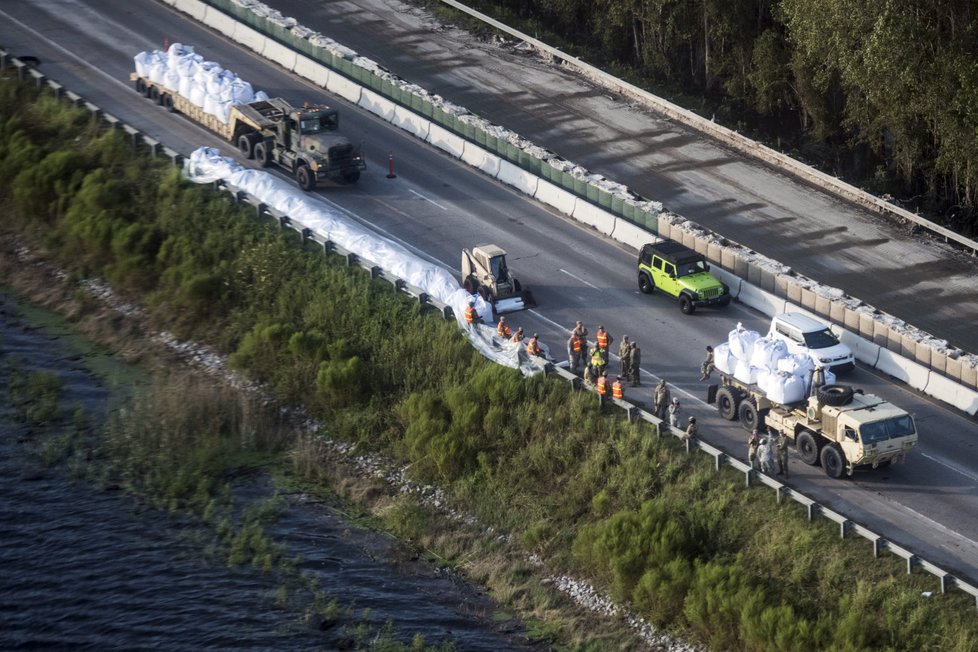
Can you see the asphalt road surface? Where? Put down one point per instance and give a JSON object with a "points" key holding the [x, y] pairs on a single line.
{"points": [[436, 206]]}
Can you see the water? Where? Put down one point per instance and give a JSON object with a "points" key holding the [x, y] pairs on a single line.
{"points": [[87, 567]]}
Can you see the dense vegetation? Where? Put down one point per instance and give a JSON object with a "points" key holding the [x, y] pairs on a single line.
{"points": [[593, 495], [883, 92]]}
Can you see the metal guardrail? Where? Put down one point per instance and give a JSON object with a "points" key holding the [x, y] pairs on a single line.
{"points": [[728, 136], [632, 411]]}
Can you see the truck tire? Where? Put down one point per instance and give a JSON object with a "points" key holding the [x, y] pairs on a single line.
{"points": [[835, 395], [645, 283], [750, 418], [141, 86], [166, 101], [808, 447], [833, 462], [470, 284], [305, 178], [351, 177], [517, 286], [686, 305], [261, 155], [728, 403], [246, 144], [153, 93]]}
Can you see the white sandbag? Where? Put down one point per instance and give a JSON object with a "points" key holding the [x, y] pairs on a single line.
{"points": [[741, 342], [185, 88], [722, 359], [238, 91], [176, 52], [145, 60], [763, 376], [171, 80], [745, 373], [798, 364], [197, 94], [785, 388], [156, 71], [260, 96], [766, 353], [212, 105]]}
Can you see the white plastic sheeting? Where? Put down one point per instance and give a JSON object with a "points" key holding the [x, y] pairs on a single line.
{"points": [[204, 83], [206, 165]]}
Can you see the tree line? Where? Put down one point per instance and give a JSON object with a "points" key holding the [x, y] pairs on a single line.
{"points": [[881, 92]]}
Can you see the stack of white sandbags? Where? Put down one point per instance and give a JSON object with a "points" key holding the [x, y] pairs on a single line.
{"points": [[765, 362], [204, 83]]}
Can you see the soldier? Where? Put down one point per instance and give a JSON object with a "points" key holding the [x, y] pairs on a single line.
{"points": [[634, 362], [624, 351], [707, 367], [752, 443], [604, 340], [781, 444], [663, 397], [598, 361], [690, 429], [575, 351], [589, 374], [502, 330], [579, 330]]}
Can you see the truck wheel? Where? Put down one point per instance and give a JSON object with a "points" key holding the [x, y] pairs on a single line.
{"points": [[246, 145], [808, 448], [305, 178], [517, 286], [351, 177], [470, 284], [832, 461], [485, 294], [153, 93], [686, 305], [140, 86], [835, 395], [749, 418], [262, 155], [728, 402], [645, 283]]}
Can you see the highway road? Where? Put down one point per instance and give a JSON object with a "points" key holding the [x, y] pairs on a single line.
{"points": [[437, 205], [927, 284]]}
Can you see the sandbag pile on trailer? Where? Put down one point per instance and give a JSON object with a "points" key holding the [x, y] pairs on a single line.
{"points": [[765, 362], [203, 83]]}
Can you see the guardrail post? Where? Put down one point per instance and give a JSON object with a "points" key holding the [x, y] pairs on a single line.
{"points": [[375, 272], [352, 260], [779, 494], [944, 582], [843, 528], [748, 476], [306, 233], [284, 221], [911, 562], [688, 445], [718, 462], [812, 511], [447, 312], [422, 298], [400, 284]]}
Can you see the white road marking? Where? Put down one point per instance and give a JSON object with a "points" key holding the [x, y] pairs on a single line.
{"points": [[950, 466], [415, 192], [578, 278]]}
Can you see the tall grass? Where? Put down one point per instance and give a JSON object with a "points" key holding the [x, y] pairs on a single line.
{"points": [[686, 547]]}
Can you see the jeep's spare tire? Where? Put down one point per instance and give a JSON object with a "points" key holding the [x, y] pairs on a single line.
{"points": [[835, 395]]}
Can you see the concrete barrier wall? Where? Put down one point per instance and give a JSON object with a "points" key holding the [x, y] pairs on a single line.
{"points": [[481, 159], [410, 122], [195, 8], [249, 38], [314, 71], [864, 350], [629, 234], [220, 21], [593, 216], [445, 140], [517, 177], [732, 281], [953, 393], [280, 54], [348, 90], [377, 104], [758, 299], [902, 369], [555, 196]]}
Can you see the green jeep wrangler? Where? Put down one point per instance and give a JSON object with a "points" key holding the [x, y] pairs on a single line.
{"points": [[681, 272]]}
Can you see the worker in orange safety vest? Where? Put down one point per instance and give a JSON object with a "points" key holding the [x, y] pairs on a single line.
{"points": [[533, 346], [502, 330], [617, 391], [517, 336], [471, 314], [604, 340], [603, 384]]}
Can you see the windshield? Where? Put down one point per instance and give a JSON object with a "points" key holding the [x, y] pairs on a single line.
{"points": [[887, 429], [497, 265], [316, 122], [692, 268], [820, 339]]}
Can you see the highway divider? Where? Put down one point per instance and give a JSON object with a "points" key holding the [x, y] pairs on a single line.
{"points": [[609, 208]]}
